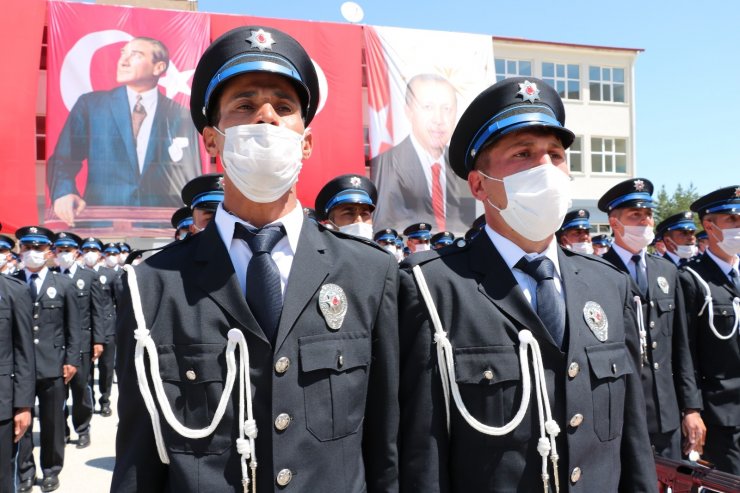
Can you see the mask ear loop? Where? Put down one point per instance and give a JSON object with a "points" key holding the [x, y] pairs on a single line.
{"points": [[493, 179]]}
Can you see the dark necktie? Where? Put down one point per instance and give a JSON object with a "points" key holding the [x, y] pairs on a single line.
{"points": [[550, 303], [34, 291], [682, 262], [264, 295], [67, 272], [640, 276], [735, 279], [137, 117]]}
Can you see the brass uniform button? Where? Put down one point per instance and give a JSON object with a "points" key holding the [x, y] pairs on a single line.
{"points": [[282, 421], [576, 420], [575, 475], [656, 366], [190, 375], [284, 477], [655, 344], [573, 369], [488, 375], [282, 364]]}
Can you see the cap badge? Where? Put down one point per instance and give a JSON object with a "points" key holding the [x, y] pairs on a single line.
{"points": [[639, 185], [33, 229], [663, 284], [422, 226], [62, 235], [687, 215], [596, 320], [581, 213], [261, 39], [355, 181], [80, 283], [220, 183], [333, 305], [528, 91], [737, 192], [91, 239], [51, 292]]}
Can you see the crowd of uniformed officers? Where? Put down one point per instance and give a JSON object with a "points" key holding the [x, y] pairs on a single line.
{"points": [[273, 347]]}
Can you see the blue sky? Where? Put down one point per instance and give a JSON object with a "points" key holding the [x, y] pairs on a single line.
{"points": [[687, 80]]}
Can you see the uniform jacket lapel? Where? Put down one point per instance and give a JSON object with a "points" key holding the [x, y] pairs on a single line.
{"points": [[309, 269], [613, 258], [498, 284], [720, 278], [576, 288], [213, 273]]}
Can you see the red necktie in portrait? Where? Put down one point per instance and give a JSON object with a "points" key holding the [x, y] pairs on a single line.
{"points": [[438, 203]]}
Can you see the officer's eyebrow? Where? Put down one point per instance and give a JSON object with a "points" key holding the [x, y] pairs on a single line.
{"points": [[276, 92]]}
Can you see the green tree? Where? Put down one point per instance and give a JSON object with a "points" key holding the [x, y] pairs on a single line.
{"points": [[667, 205]]}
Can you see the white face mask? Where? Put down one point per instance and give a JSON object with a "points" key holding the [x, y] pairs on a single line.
{"points": [[537, 201], [637, 237], [730, 243], [3, 260], [392, 249], [682, 251], [111, 261], [91, 258], [262, 160], [34, 259], [422, 247], [122, 258], [582, 247], [65, 259], [600, 251], [358, 229]]}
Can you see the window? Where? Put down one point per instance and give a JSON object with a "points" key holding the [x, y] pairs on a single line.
{"points": [[566, 79], [574, 156], [40, 138], [512, 68], [606, 84], [608, 155]]}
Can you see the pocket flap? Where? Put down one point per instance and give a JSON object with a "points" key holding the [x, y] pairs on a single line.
{"points": [[334, 352], [51, 303], [6, 368], [193, 363], [487, 365], [665, 305], [608, 360]]}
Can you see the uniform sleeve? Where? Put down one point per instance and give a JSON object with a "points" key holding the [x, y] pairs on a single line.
{"points": [[689, 396], [72, 328], [70, 151], [138, 468], [24, 357], [423, 437], [380, 435], [692, 300], [101, 312], [638, 465]]}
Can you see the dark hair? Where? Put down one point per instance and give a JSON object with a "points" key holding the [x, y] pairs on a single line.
{"points": [[160, 53]]}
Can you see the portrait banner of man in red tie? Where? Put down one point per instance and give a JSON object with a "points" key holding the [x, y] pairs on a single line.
{"points": [[419, 83], [120, 140]]}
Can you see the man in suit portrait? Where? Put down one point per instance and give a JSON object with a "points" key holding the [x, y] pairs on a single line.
{"points": [[414, 178], [140, 146]]}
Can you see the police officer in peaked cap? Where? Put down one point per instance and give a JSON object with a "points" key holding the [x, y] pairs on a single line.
{"points": [[678, 232], [388, 239], [670, 388], [181, 220], [711, 285], [348, 202], [6, 250], [203, 194], [462, 386], [702, 241], [601, 244], [418, 237], [442, 239], [574, 233], [313, 311]]}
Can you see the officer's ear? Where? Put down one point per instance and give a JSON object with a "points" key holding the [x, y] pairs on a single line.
{"points": [[211, 140], [307, 143]]}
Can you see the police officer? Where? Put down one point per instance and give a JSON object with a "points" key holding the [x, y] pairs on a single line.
{"points": [[348, 202], [574, 233], [387, 238], [712, 289], [315, 310], [418, 237], [203, 194], [6, 254], [671, 394], [17, 373], [678, 233], [442, 239], [702, 241], [96, 317], [92, 253], [471, 419], [181, 220], [56, 338], [601, 244], [125, 251]]}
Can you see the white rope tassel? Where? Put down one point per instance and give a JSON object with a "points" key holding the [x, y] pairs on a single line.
{"points": [[445, 361], [643, 333], [709, 306], [144, 341]]}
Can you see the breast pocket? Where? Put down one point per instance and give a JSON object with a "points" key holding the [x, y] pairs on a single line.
{"points": [[334, 372], [609, 366], [488, 379], [724, 318], [665, 310], [193, 382]]}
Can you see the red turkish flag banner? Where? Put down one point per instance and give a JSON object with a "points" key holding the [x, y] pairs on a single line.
{"points": [[336, 50], [102, 60]]}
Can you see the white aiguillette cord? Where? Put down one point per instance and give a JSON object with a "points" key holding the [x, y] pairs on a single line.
{"points": [[248, 428], [446, 363], [641, 329], [709, 306]]}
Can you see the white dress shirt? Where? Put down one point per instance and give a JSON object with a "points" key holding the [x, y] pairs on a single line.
{"points": [[149, 101], [72, 270], [626, 257], [40, 280], [240, 253], [724, 266], [512, 253], [426, 164]]}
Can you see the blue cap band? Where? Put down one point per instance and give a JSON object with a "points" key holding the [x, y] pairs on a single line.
{"points": [[35, 239], [112, 250], [580, 223], [352, 196], [386, 237], [185, 223], [421, 235], [210, 196], [723, 207], [66, 242], [641, 196], [4, 244], [492, 126], [683, 224], [445, 240], [253, 66], [92, 244], [603, 242]]}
